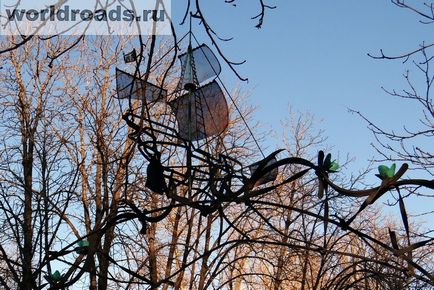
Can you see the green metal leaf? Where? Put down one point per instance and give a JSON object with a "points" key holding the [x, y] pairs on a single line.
{"points": [[321, 158], [56, 276], [334, 167], [328, 161], [382, 170], [82, 248], [392, 170], [329, 165], [321, 189], [386, 172], [83, 243]]}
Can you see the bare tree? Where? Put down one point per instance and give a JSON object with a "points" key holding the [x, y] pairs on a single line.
{"points": [[407, 145], [37, 181], [77, 207]]}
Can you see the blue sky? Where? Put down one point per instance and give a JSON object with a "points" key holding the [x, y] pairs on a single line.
{"points": [[312, 55]]}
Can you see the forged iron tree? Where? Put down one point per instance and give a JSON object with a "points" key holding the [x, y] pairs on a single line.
{"points": [[175, 249], [292, 250], [160, 191]]}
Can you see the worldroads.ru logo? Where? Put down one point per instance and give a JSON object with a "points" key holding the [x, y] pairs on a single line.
{"points": [[121, 17]]}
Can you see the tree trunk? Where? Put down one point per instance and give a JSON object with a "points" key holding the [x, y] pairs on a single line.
{"points": [[27, 280]]}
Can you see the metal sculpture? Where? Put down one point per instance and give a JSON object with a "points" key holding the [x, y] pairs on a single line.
{"points": [[199, 112], [196, 113]]}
